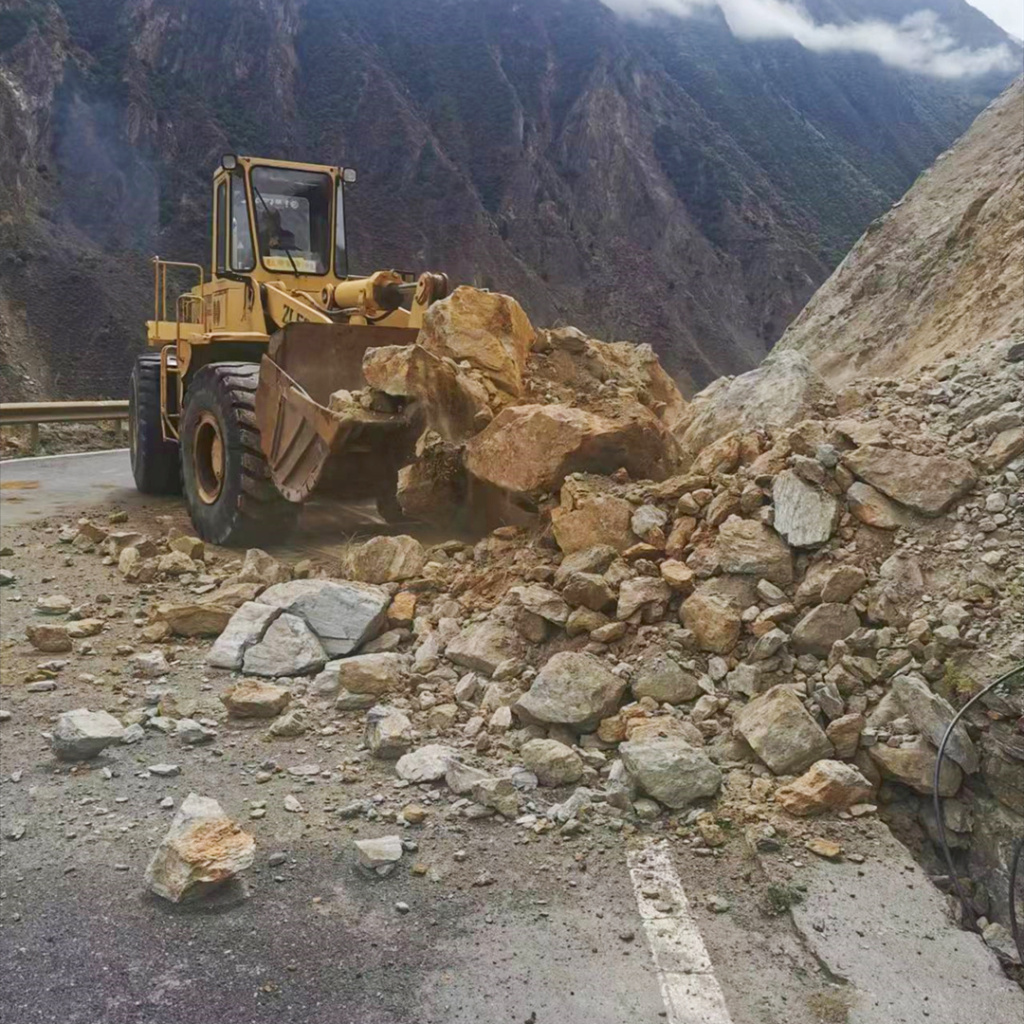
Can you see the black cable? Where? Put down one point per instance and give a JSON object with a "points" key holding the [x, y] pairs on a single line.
{"points": [[941, 825]]}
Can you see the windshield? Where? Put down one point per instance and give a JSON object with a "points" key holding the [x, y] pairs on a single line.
{"points": [[293, 219]]}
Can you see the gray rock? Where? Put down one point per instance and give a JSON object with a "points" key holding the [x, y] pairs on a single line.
{"points": [[553, 763], [571, 689], [191, 733], [203, 849], [590, 560], [427, 764], [462, 778], [354, 701], [540, 600], [82, 734], [379, 855], [149, 665], [343, 614], [822, 626], [670, 770], [662, 678], [292, 723], [781, 392], [288, 648], [499, 795], [388, 733], [245, 629], [931, 715], [805, 515], [782, 732], [589, 590]]}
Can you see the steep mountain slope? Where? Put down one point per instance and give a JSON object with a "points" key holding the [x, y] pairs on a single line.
{"points": [[659, 180], [942, 272]]}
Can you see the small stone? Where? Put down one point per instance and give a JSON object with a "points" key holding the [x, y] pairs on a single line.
{"points": [[164, 771], [82, 734], [292, 804], [824, 848], [379, 855]]}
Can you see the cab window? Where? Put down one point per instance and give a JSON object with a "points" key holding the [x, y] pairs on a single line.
{"points": [[222, 227], [242, 256], [293, 219]]}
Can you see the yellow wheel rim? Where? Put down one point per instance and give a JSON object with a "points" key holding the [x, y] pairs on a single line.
{"points": [[208, 458]]}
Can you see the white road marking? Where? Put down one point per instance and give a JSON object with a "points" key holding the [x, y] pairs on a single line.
{"points": [[689, 987], [66, 455]]}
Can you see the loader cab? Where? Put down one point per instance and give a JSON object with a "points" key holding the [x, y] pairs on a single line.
{"points": [[274, 220]]}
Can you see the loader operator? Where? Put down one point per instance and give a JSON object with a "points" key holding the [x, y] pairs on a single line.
{"points": [[273, 235]]}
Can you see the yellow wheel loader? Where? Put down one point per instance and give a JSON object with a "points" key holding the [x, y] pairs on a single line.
{"points": [[233, 403]]}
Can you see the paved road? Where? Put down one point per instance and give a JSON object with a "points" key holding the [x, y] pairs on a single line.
{"points": [[33, 490]]}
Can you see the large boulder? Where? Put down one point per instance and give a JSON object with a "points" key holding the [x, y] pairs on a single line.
{"points": [[931, 715], [532, 448], [386, 560], [827, 786], [781, 392], [670, 770], [913, 764], [782, 732], [805, 515], [343, 614], [427, 764], [748, 547], [245, 629], [487, 330], [82, 734], [288, 648], [203, 849], [926, 483], [572, 689], [593, 520], [388, 732]]}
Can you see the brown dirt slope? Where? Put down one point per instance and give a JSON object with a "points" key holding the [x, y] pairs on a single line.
{"points": [[941, 273]]}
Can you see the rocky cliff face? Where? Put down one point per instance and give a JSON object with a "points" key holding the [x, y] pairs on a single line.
{"points": [[939, 274], [657, 181]]}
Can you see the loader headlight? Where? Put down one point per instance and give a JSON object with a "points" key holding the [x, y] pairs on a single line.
{"points": [[348, 175], [229, 161]]}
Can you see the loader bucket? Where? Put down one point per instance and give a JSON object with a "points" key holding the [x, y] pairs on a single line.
{"points": [[355, 454]]}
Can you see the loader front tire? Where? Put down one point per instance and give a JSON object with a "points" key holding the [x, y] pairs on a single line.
{"points": [[155, 462], [228, 489]]}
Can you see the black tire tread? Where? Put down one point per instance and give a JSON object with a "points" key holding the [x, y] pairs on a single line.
{"points": [[155, 465], [261, 514]]}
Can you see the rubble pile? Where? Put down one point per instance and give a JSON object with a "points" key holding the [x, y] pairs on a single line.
{"points": [[762, 606]]}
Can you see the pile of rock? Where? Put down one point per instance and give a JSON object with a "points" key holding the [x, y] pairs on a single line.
{"points": [[772, 596]]}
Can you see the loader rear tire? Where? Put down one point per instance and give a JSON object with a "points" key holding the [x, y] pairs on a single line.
{"points": [[156, 465], [228, 489]]}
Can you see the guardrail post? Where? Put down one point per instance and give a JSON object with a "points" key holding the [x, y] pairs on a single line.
{"points": [[33, 436]]}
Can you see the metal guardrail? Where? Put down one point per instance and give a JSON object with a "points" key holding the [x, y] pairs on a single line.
{"points": [[31, 414]]}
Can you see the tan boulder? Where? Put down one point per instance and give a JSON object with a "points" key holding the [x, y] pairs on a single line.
{"points": [[927, 483], [714, 622], [50, 639], [386, 559], [591, 520], [827, 786], [914, 765], [252, 699], [488, 330], [874, 508], [748, 547], [193, 618], [532, 448]]}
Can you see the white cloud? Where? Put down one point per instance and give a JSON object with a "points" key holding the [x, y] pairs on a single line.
{"points": [[919, 42]]}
